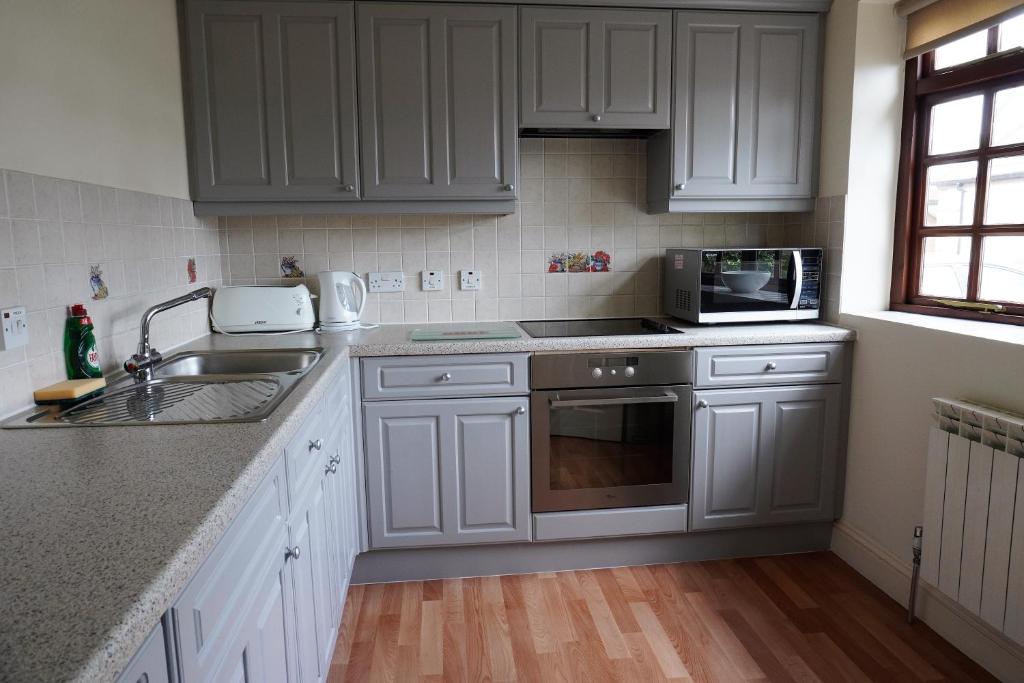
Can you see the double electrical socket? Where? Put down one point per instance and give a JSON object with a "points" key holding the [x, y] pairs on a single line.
{"points": [[390, 281]]}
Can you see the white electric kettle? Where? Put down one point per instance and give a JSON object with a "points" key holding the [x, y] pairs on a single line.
{"points": [[340, 304]]}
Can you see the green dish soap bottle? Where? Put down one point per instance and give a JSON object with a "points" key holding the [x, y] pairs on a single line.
{"points": [[81, 359]]}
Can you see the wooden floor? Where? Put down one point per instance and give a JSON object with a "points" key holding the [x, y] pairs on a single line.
{"points": [[793, 618]]}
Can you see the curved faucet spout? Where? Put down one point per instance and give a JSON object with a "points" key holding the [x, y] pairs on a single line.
{"points": [[141, 364]]}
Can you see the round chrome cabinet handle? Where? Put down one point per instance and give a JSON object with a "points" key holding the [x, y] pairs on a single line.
{"points": [[446, 377], [680, 187], [316, 445], [349, 188], [596, 373], [629, 371], [331, 469], [509, 187], [520, 410], [335, 459], [770, 366], [292, 553], [596, 118], [702, 403]]}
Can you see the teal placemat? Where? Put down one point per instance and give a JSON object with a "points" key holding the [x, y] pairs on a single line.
{"points": [[464, 333]]}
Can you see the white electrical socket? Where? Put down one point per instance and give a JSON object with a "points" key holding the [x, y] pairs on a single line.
{"points": [[433, 280], [391, 281], [469, 279], [14, 328]]}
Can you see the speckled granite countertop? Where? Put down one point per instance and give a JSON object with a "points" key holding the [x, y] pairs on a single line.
{"points": [[104, 526]]}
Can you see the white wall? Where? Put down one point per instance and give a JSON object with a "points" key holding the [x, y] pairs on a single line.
{"points": [[90, 90]]}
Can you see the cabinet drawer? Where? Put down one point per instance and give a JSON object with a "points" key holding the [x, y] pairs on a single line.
{"points": [[306, 455], [768, 365], [208, 614], [445, 376]]}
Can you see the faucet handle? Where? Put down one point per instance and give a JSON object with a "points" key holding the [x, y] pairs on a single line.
{"points": [[139, 363]]}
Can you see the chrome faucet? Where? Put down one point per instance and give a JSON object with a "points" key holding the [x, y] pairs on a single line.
{"points": [[140, 365]]}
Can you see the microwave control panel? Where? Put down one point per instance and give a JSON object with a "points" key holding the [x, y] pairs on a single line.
{"points": [[810, 292]]}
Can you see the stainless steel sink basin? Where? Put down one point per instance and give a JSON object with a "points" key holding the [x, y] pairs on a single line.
{"points": [[199, 363], [193, 387]]}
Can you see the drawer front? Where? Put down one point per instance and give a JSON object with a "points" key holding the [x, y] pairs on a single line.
{"points": [[206, 616], [306, 455], [769, 365], [445, 376]]}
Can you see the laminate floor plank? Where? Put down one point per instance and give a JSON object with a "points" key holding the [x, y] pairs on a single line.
{"points": [[793, 619]]}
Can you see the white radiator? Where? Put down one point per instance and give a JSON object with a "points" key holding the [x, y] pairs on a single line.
{"points": [[973, 548]]}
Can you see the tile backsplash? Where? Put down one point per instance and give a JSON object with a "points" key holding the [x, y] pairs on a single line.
{"points": [[116, 251], [577, 197]]}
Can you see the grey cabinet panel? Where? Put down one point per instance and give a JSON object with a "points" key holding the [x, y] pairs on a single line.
{"points": [[437, 101], [149, 665], [445, 376], [444, 472], [272, 89], [304, 584], [403, 470], [745, 117], [313, 80], [587, 68], [765, 456], [232, 156], [302, 456], [770, 365], [727, 456]]}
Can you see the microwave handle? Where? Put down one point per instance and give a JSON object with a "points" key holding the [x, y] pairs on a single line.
{"points": [[798, 278], [625, 400]]}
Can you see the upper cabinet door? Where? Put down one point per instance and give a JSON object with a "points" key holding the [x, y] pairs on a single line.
{"points": [[312, 89], [227, 48], [273, 100], [584, 68], [746, 103], [437, 101]]}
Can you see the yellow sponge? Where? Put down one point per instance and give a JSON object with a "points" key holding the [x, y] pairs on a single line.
{"points": [[69, 390]]}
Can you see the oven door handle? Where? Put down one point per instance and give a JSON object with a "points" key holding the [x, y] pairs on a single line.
{"points": [[621, 401]]}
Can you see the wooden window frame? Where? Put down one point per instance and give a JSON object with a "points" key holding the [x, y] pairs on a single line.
{"points": [[924, 87]]}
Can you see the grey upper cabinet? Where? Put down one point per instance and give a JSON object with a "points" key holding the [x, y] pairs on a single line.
{"points": [[744, 131], [437, 101], [594, 68], [764, 456], [272, 91], [447, 471]]}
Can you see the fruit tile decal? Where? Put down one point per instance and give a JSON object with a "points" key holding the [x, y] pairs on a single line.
{"points": [[290, 267], [190, 269], [580, 262], [96, 283]]}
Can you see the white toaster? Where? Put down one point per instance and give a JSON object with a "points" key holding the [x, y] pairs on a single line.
{"points": [[261, 309]]}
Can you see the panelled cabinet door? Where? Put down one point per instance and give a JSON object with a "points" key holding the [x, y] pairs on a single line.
{"points": [[447, 471], [745, 105], [764, 456], [273, 100], [587, 68], [149, 665], [304, 577], [437, 101]]}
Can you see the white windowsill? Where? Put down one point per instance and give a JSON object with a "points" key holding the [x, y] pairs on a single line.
{"points": [[998, 332]]}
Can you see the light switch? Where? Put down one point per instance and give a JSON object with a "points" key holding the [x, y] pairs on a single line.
{"points": [[433, 280], [469, 279], [14, 328], [391, 281]]}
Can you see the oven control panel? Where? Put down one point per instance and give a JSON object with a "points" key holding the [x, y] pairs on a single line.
{"points": [[613, 369]]}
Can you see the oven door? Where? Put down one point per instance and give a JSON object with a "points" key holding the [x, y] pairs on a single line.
{"points": [[610, 448]]}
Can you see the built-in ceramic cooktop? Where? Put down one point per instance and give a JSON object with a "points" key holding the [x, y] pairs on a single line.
{"points": [[601, 327]]}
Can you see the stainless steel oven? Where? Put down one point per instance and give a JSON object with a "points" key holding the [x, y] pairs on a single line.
{"points": [[610, 429]]}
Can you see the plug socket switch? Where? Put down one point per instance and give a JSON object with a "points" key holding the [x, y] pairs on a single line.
{"points": [[470, 279], [433, 280], [13, 328]]}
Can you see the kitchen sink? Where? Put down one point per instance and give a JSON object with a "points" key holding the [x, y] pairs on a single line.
{"points": [[192, 387]]}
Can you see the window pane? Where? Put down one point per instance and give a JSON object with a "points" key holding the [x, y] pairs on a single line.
{"points": [[1002, 269], [945, 262], [949, 193], [1011, 33], [1008, 116], [956, 125], [974, 46], [1005, 200]]}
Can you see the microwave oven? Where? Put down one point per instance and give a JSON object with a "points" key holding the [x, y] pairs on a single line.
{"points": [[742, 285]]}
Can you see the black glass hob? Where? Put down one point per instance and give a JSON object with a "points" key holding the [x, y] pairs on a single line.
{"points": [[601, 327]]}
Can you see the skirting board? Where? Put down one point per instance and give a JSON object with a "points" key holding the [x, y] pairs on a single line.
{"points": [[417, 564], [1002, 657]]}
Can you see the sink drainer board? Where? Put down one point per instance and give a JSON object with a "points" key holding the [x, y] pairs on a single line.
{"points": [[179, 400]]}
